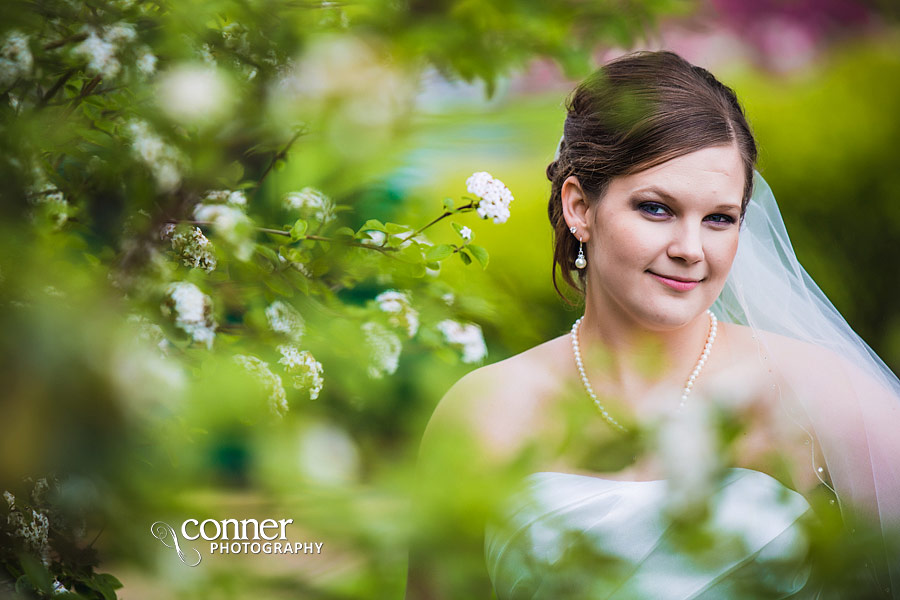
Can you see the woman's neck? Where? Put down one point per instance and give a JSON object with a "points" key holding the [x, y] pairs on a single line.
{"points": [[624, 357]]}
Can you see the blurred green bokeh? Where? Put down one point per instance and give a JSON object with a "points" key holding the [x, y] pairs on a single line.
{"points": [[386, 107]]}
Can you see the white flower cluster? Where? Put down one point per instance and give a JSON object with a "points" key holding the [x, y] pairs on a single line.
{"points": [[192, 311], [224, 210], [495, 196], [234, 198], [33, 531], [49, 202], [284, 318], [100, 51], [379, 238], [162, 158], [401, 313], [147, 331], [310, 203], [191, 93], [384, 349], [270, 381], [467, 337], [195, 250], [304, 369], [146, 62], [52, 206], [16, 59]]}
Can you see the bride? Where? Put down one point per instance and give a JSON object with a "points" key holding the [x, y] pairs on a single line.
{"points": [[699, 326]]}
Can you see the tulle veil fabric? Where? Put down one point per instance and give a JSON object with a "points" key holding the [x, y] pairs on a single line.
{"points": [[830, 380]]}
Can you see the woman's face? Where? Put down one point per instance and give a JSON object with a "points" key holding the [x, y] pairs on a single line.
{"points": [[662, 241]]}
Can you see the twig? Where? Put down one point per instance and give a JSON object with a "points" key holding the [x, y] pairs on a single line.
{"points": [[56, 87], [318, 238], [75, 38], [278, 156], [435, 220]]}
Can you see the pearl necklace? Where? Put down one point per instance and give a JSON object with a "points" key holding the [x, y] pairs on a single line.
{"points": [[710, 338]]}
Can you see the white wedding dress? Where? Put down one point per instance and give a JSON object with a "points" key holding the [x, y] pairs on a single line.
{"points": [[583, 537]]}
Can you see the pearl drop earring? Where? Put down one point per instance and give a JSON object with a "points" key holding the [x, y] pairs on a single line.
{"points": [[580, 260]]}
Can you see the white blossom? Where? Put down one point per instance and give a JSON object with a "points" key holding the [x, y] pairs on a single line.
{"points": [[33, 531], [192, 311], [284, 318], [146, 330], [270, 381], [465, 233], [467, 337], [232, 224], [191, 93], [52, 206], [120, 33], [495, 197], [328, 455], [195, 249], [234, 198], [101, 55], [16, 59], [402, 314], [448, 298], [59, 588], [376, 238], [146, 63], [689, 449], [384, 349], [310, 203], [304, 369], [162, 159], [166, 231], [10, 499]]}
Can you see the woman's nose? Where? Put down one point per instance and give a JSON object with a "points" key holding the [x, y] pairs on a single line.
{"points": [[686, 244]]}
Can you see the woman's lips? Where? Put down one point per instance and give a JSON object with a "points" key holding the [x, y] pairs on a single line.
{"points": [[675, 284]]}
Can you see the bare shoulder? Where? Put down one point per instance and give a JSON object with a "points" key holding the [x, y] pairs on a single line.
{"points": [[499, 404]]}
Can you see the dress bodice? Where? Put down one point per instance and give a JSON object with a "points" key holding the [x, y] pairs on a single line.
{"points": [[576, 536]]}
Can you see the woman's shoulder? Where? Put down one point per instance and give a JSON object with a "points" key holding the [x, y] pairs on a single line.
{"points": [[787, 353], [501, 402]]}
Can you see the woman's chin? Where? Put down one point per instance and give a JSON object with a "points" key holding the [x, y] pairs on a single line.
{"points": [[669, 318]]}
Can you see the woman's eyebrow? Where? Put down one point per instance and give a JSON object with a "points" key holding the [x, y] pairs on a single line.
{"points": [[669, 197]]}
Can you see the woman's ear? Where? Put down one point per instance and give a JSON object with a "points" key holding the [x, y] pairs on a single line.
{"points": [[575, 208]]}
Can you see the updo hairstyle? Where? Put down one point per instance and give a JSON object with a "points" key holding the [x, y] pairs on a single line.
{"points": [[636, 112]]}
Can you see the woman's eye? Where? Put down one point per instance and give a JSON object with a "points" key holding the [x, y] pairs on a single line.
{"points": [[655, 210], [724, 219]]}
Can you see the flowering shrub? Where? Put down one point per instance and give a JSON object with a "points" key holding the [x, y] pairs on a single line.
{"points": [[180, 235]]}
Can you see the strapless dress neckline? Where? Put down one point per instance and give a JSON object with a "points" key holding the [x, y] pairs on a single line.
{"points": [[567, 535]]}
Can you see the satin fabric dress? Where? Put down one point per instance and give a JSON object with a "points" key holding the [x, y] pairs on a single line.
{"points": [[576, 536]]}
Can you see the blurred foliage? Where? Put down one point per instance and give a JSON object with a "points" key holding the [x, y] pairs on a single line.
{"points": [[205, 200], [190, 329]]}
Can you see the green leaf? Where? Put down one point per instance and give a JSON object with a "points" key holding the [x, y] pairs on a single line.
{"points": [[439, 252], [344, 232], [37, 574], [372, 224], [395, 228], [279, 285], [480, 254], [448, 205], [464, 256], [298, 231], [107, 585], [456, 227], [270, 254]]}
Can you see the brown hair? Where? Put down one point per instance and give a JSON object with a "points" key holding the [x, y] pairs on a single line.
{"points": [[636, 112]]}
